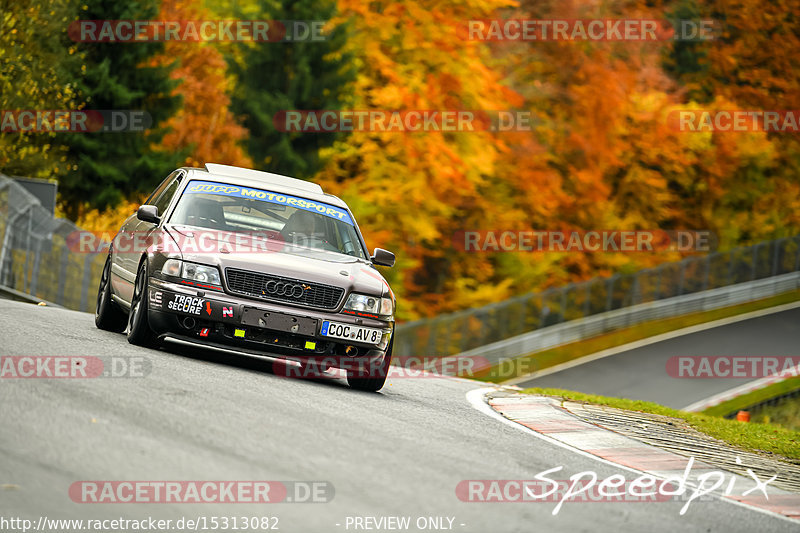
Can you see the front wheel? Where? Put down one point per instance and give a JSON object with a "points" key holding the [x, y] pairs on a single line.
{"points": [[107, 315], [375, 382], [139, 332]]}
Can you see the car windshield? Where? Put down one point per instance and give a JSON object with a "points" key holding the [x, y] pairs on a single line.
{"points": [[299, 222]]}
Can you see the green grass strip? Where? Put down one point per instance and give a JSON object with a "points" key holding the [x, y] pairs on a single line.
{"points": [[748, 436], [752, 398]]}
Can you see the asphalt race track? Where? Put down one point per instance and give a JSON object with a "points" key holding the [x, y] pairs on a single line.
{"points": [[640, 374], [206, 416]]}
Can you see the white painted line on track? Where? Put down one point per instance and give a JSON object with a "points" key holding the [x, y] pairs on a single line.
{"points": [[745, 388]]}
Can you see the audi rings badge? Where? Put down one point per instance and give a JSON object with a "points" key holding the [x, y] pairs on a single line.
{"points": [[284, 288]]}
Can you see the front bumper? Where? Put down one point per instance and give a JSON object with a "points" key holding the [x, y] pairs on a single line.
{"points": [[218, 319]]}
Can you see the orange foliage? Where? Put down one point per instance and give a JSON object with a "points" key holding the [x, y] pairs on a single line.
{"points": [[108, 220], [204, 123], [601, 155]]}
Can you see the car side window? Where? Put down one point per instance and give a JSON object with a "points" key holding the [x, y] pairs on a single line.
{"points": [[163, 200], [161, 186]]}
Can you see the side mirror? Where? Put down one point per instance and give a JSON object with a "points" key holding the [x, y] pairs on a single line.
{"points": [[382, 257], [148, 213]]}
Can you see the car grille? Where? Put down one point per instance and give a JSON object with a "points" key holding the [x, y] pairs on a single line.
{"points": [[293, 291]]}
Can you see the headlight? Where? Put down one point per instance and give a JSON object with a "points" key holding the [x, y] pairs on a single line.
{"points": [[369, 304], [172, 268], [192, 271], [201, 273]]}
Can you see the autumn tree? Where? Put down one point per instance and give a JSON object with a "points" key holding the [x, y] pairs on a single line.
{"points": [[38, 68], [205, 124], [108, 165], [413, 191], [272, 77]]}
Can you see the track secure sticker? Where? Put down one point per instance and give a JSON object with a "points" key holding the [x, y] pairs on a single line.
{"points": [[222, 189], [187, 304]]}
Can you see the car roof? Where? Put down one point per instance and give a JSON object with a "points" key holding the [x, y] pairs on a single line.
{"points": [[274, 182]]}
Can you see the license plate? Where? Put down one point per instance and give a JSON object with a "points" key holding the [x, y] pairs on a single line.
{"points": [[350, 332]]}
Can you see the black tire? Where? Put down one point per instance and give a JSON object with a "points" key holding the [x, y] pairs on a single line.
{"points": [[107, 315], [139, 332], [376, 382]]}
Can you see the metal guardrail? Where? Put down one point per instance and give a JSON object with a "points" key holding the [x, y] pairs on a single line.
{"points": [[588, 327], [464, 331], [35, 256]]}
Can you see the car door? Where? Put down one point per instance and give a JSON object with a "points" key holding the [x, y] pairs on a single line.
{"points": [[126, 248], [144, 229]]}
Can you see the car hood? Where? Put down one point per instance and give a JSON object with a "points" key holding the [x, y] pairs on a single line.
{"points": [[280, 259]]}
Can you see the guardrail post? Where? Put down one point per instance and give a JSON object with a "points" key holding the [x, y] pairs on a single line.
{"points": [[586, 298], [25, 284], [659, 273], [484, 329], [797, 254], [544, 310], [464, 334], [433, 326], [87, 278], [37, 256], [448, 336], [729, 279], [775, 256], [62, 276], [753, 262], [501, 319], [610, 291]]}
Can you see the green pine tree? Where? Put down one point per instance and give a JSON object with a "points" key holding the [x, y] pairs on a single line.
{"points": [[111, 165], [687, 60], [280, 76]]}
